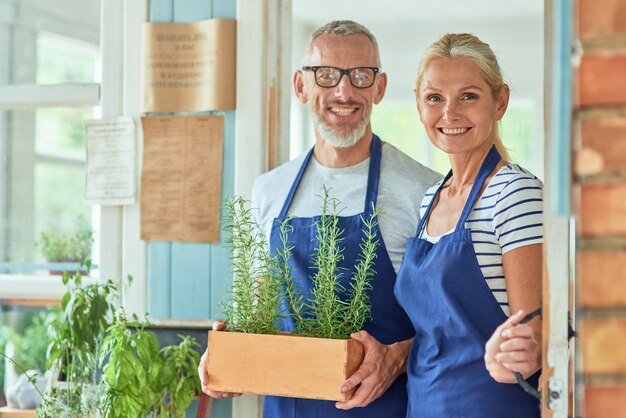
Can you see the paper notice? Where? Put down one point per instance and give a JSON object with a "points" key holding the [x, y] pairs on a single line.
{"points": [[181, 179], [111, 161], [189, 67]]}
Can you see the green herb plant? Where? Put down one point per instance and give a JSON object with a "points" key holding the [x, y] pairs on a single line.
{"points": [[56, 246], [255, 298], [76, 344], [144, 380], [113, 368], [261, 280]]}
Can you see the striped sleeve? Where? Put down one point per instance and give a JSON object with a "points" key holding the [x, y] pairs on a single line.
{"points": [[518, 213]]}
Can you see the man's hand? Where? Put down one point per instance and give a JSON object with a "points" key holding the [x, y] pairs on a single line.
{"points": [[381, 366], [512, 348], [202, 373]]}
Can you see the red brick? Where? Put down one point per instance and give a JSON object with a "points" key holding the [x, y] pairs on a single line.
{"points": [[604, 402], [601, 79], [602, 342], [603, 147], [597, 274], [603, 209], [597, 18]]}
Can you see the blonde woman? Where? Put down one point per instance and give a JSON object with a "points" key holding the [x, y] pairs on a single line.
{"points": [[477, 252]]}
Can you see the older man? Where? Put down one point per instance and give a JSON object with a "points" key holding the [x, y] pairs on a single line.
{"points": [[341, 80]]}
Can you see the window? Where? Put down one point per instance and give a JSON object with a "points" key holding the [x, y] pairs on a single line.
{"points": [[50, 81], [51, 67], [521, 134]]}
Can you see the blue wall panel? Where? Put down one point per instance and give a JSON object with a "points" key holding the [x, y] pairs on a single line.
{"points": [[190, 280], [192, 10], [221, 269], [159, 279], [225, 9], [161, 11], [187, 280]]}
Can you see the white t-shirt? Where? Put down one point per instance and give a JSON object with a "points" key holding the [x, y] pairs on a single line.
{"points": [[401, 187], [508, 215]]}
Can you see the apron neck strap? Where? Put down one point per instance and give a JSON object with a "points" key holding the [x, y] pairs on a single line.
{"points": [[371, 194], [372, 180], [490, 162], [422, 223]]}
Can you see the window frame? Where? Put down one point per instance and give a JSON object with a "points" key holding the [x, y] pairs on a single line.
{"points": [[122, 253]]}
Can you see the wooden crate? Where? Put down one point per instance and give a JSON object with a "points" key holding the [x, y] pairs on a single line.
{"points": [[282, 365]]}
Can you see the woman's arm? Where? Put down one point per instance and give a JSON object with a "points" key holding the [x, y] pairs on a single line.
{"points": [[513, 346]]}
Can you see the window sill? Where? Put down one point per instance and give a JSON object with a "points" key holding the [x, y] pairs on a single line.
{"points": [[34, 287]]}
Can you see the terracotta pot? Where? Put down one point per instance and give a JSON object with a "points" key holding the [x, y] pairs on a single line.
{"points": [[282, 365]]}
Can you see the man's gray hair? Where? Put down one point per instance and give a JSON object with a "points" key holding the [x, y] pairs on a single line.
{"points": [[344, 28]]}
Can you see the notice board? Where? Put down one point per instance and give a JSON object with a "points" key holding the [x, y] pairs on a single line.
{"points": [[181, 178]]}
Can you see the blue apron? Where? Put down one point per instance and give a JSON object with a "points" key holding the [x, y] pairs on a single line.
{"points": [[390, 323], [454, 313]]}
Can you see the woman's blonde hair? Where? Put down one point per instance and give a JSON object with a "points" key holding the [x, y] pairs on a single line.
{"points": [[466, 45]]}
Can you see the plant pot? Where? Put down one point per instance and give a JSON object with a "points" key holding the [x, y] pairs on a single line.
{"points": [[57, 268], [282, 365]]}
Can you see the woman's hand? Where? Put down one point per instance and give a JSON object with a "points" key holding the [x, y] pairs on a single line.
{"points": [[512, 348], [204, 376]]}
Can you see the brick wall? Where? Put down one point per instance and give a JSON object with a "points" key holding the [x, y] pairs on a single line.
{"points": [[599, 144]]}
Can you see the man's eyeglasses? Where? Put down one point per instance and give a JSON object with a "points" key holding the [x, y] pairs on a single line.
{"points": [[360, 77]]}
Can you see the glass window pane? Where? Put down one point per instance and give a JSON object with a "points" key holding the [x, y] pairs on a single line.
{"points": [[59, 132], [518, 129], [45, 219], [48, 42], [400, 126], [59, 212], [61, 59]]}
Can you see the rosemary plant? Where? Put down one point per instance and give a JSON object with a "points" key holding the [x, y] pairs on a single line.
{"points": [[255, 298], [330, 315], [261, 280], [359, 308]]}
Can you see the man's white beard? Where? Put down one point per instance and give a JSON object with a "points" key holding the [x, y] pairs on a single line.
{"points": [[336, 139]]}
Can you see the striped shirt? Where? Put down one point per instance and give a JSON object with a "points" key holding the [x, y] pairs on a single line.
{"points": [[507, 216]]}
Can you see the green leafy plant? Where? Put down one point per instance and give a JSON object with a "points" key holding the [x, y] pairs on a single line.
{"points": [[113, 368], [31, 347], [76, 344], [262, 280], [142, 379], [56, 246]]}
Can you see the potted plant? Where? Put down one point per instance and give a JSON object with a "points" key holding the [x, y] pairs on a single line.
{"points": [[59, 247], [143, 379], [109, 367], [319, 351], [76, 346]]}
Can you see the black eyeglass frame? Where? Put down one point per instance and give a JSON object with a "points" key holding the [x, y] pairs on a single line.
{"points": [[342, 72]]}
